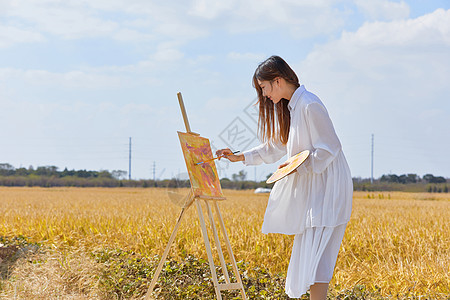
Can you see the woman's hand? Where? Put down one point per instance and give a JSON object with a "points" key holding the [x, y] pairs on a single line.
{"points": [[228, 154], [285, 164]]}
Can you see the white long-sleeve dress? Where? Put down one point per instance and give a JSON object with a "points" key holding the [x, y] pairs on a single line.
{"points": [[314, 203]]}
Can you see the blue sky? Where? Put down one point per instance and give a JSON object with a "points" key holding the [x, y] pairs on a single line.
{"points": [[78, 78]]}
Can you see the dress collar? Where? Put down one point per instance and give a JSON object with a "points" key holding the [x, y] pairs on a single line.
{"points": [[296, 97]]}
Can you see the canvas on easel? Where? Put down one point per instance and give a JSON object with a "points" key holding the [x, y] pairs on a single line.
{"points": [[205, 186], [204, 178]]}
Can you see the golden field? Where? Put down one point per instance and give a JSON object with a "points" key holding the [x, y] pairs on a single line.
{"points": [[395, 243]]}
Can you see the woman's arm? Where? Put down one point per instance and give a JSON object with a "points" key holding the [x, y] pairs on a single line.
{"points": [[227, 153], [264, 153], [268, 153], [326, 144]]}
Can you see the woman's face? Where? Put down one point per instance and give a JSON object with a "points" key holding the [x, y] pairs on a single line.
{"points": [[271, 89]]}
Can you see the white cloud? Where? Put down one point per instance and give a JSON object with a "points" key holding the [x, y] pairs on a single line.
{"points": [[4, 5], [387, 78], [167, 53], [210, 9], [246, 56], [139, 20], [10, 35], [297, 18], [168, 19], [426, 30], [128, 35], [387, 49], [71, 79], [145, 22], [181, 31], [68, 20], [383, 9]]}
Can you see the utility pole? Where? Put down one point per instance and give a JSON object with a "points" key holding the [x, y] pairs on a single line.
{"points": [[154, 171], [129, 161], [371, 169]]}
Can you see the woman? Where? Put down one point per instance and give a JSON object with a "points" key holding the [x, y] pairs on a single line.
{"points": [[314, 202]]}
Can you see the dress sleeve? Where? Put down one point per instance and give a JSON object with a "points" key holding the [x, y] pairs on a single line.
{"points": [[265, 153], [326, 144]]}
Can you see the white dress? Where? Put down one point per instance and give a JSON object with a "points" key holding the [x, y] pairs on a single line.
{"points": [[314, 203]]}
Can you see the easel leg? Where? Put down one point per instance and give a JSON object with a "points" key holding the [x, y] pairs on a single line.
{"points": [[208, 250], [166, 251], [216, 239], [230, 251]]}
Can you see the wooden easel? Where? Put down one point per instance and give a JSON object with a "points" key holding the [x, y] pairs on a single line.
{"points": [[228, 285]]}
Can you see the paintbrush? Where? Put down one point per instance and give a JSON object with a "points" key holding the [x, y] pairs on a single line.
{"points": [[202, 162]]}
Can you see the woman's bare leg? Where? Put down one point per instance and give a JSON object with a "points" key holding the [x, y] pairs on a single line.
{"points": [[319, 291]]}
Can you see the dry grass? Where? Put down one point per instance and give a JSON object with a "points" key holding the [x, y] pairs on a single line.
{"points": [[396, 243], [400, 245], [54, 275]]}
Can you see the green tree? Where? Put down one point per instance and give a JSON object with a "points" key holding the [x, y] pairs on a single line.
{"points": [[6, 169], [119, 174], [428, 178], [240, 176]]}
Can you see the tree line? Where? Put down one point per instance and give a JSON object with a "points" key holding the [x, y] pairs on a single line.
{"points": [[405, 182], [52, 171], [412, 178], [51, 176]]}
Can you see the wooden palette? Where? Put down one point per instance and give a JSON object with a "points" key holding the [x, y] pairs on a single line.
{"points": [[294, 162]]}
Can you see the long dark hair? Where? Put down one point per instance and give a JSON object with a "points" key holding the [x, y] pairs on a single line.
{"points": [[270, 69]]}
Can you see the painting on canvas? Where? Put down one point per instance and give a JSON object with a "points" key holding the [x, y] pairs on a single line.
{"points": [[204, 178]]}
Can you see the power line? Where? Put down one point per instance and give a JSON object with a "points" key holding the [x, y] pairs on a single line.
{"points": [[129, 162], [371, 171]]}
